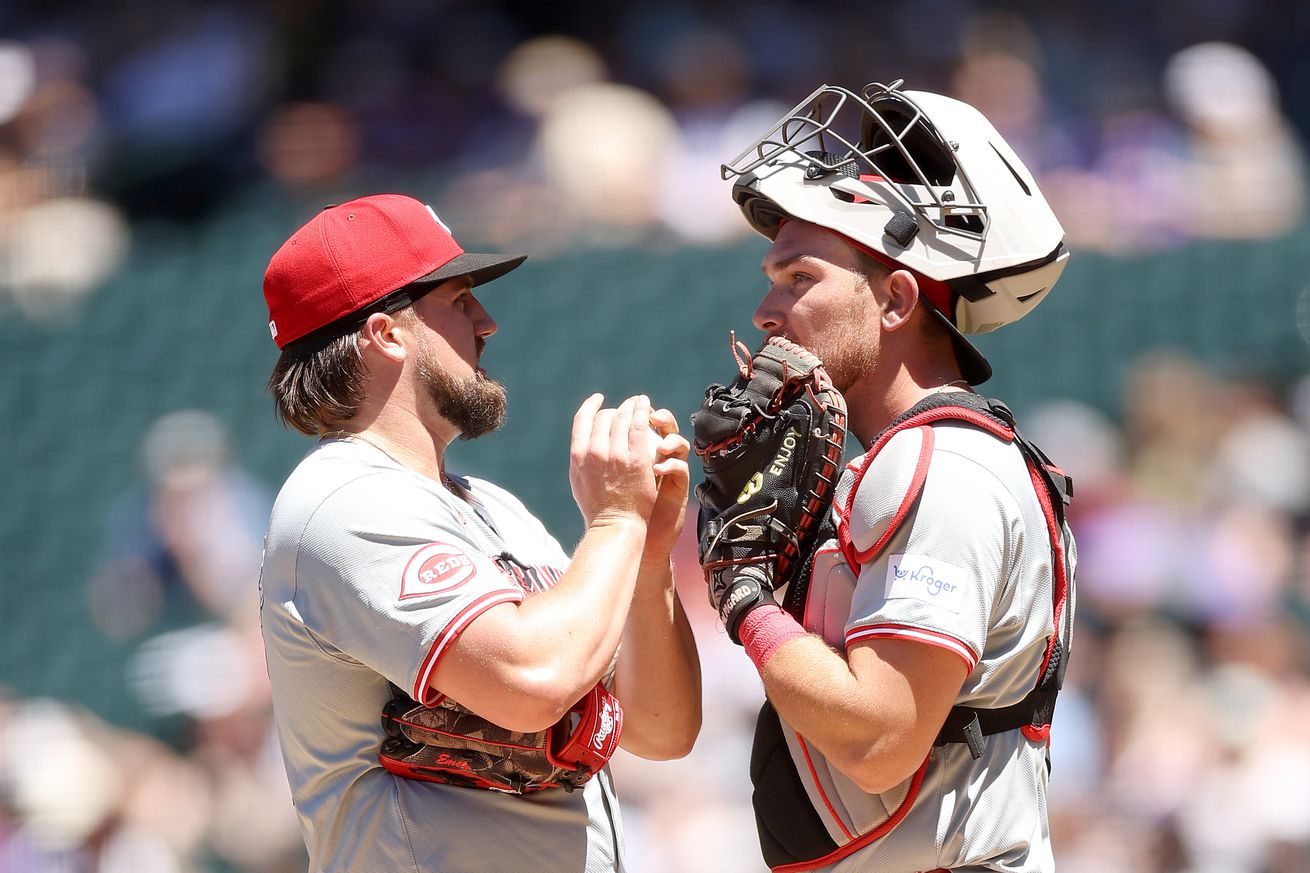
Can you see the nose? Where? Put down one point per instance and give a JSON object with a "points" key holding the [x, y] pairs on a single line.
{"points": [[768, 315], [483, 324]]}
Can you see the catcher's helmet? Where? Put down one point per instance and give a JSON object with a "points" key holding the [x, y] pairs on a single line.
{"points": [[918, 178]]}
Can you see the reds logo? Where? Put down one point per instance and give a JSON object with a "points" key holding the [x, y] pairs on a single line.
{"points": [[434, 569]]}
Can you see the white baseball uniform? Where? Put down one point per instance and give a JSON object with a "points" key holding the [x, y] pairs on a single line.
{"points": [[370, 572], [968, 566]]}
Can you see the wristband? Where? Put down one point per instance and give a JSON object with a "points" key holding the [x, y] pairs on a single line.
{"points": [[764, 629]]}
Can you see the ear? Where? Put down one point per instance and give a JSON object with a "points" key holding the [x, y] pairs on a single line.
{"points": [[902, 295], [382, 334]]}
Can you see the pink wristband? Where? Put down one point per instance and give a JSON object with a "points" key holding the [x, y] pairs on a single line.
{"points": [[764, 629]]}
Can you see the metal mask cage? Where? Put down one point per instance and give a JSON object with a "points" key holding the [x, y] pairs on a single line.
{"points": [[883, 134]]}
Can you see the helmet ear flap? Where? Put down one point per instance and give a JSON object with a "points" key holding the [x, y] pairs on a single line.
{"points": [[1010, 297]]}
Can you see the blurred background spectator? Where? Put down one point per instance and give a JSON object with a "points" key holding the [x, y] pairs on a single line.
{"points": [[152, 158]]}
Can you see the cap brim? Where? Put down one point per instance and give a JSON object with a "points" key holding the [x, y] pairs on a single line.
{"points": [[480, 268], [973, 366]]}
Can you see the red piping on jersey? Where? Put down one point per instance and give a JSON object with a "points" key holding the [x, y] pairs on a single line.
{"points": [[923, 419], [1057, 549], [854, 556], [805, 615], [916, 634], [805, 750], [846, 545], [423, 693], [1006, 433], [876, 834]]}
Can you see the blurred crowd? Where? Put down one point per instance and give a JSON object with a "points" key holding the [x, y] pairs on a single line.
{"points": [[602, 125], [1181, 743], [1182, 740]]}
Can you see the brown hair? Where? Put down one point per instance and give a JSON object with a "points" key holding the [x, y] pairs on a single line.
{"points": [[932, 330], [316, 385], [868, 266]]}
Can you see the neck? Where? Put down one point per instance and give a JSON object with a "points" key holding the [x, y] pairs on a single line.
{"points": [[876, 403], [405, 439]]}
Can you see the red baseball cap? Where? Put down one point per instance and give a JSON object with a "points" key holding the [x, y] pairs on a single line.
{"points": [[352, 255]]}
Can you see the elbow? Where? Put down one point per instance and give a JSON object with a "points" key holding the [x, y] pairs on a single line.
{"points": [[665, 733], [666, 753], [524, 715], [532, 703], [674, 750], [877, 771], [531, 721], [658, 749], [663, 745], [681, 745]]}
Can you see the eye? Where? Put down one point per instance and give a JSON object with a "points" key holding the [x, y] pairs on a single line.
{"points": [[802, 277]]}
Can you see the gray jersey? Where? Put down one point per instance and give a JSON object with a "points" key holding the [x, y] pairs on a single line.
{"points": [[370, 572], [968, 569]]}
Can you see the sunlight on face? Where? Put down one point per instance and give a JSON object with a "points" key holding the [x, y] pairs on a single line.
{"points": [[475, 403], [819, 296]]}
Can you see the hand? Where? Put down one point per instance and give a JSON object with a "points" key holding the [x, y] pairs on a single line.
{"points": [[672, 476], [737, 590], [610, 460]]}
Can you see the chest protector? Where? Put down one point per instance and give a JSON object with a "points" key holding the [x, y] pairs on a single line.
{"points": [[814, 820]]}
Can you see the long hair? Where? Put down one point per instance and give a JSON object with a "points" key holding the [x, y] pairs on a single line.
{"points": [[316, 385]]}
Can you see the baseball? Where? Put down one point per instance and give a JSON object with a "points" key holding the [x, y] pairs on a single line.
{"points": [[654, 437]]}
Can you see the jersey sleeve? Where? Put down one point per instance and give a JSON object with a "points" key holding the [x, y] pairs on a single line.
{"points": [[386, 575], [940, 572]]}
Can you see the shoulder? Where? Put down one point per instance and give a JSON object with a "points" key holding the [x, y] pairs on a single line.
{"points": [[951, 467], [340, 488]]}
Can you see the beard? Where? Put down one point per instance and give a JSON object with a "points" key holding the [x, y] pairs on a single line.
{"points": [[848, 351], [848, 363], [475, 404]]}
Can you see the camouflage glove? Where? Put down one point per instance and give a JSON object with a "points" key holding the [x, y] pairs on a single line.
{"points": [[444, 742]]}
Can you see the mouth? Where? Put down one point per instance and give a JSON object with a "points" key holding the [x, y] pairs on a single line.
{"points": [[789, 337]]}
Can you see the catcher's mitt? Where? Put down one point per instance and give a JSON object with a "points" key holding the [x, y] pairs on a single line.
{"points": [[771, 445]]}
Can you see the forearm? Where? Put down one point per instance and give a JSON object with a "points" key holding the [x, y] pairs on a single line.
{"points": [[523, 665], [658, 674], [572, 630], [862, 727]]}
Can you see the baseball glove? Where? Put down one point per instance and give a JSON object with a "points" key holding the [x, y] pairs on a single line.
{"points": [[445, 742], [771, 446]]}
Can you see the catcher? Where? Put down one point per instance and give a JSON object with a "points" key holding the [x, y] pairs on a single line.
{"points": [[910, 614], [448, 683]]}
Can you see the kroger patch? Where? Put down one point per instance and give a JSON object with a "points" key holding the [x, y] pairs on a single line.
{"points": [[917, 577]]}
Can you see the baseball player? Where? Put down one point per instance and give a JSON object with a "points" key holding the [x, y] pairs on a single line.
{"points": [[448, 682], [911, 663]]}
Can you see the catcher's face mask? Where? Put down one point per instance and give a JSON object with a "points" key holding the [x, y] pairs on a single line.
{"points": [[921, 178]]}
